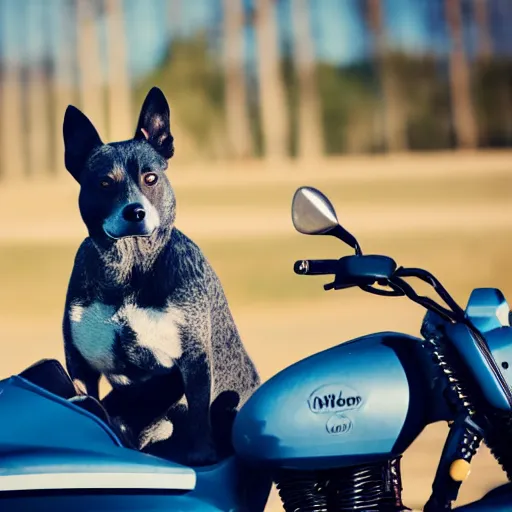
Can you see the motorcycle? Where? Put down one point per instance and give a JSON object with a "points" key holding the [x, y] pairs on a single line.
{"points": [[329, 431]]}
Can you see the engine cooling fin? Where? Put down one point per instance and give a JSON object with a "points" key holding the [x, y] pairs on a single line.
{"points": [[371, 487]]}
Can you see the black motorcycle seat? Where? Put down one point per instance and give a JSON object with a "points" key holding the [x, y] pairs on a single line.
{"points": [[50, 375]]}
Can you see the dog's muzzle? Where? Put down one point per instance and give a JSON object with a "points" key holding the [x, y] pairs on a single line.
{"points": [[134, 219]]}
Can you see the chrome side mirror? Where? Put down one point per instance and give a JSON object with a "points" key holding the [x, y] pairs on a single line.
{"points": [[314, 214]]}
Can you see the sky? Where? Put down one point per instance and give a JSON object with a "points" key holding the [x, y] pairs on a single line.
{"points": [[27, 27]]}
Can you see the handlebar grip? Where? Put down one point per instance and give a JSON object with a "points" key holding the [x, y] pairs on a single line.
{"points": [[315, 267]]}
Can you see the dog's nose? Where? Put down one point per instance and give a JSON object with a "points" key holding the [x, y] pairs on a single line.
{"points": [[134, 212]]}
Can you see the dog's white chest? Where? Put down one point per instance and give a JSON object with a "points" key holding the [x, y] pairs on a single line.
{"points": [[97, 332]]}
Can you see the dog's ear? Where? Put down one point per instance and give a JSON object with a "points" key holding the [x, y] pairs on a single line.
{"points": [[154, 123], [80, 138]]}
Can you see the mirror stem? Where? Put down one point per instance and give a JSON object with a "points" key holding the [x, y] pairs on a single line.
{"points": [[343, 235]]}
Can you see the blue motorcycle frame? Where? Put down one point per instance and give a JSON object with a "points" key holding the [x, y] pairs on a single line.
{"points": [[328, 430]]}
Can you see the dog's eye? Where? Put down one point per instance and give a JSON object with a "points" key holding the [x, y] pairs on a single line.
{"points": [[106, 183], [150, 178]]}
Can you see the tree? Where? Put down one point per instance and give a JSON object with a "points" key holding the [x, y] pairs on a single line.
{"points": [[464, 117], [482, 69], [38, 115], [90, 75], [484, 35], [175, 11], [118, 81], [274, 122], [395, 122], [12, 135], [310, 144], [63, 76], [238, 129], [505, 12]]}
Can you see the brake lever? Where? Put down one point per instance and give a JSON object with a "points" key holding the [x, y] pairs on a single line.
{"points": [[334, 286], [394, 292]]}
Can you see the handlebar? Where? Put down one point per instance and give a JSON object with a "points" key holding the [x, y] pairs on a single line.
{"points": [[316, 267], [350, 271], [364, 271]]}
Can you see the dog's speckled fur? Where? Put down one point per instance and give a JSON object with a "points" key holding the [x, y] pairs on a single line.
{"points": [[149, 312]]}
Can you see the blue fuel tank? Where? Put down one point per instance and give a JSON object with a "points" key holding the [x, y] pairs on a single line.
{"points": [[362, 401]]}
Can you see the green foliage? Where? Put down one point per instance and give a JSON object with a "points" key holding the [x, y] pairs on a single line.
{"points": [[191, 76], [255, 117], [351, 100], [423, 86], [292, 98], [492, 91]]}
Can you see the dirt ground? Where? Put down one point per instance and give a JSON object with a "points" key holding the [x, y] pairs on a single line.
{"points": [[280, 332]]}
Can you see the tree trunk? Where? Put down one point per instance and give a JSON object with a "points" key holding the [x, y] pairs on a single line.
{"points": [[118, 81], [310, 144], [484, 35], [186, 146], [395, 121], [274, 119], [38, 147], [462, 105], [175, 10], [91, 80], [484, 52], [63, 78], [38, 116], [12, 132], [505, 11], [239, 134]]}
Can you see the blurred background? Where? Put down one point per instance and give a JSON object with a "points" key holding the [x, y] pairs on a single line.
{"points": [[400, 111]]}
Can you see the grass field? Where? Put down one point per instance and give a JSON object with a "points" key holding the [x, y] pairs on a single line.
{"points": [[456, 224]]}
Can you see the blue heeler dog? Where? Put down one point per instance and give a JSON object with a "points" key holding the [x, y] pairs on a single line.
{"points": [[144, 308]]}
